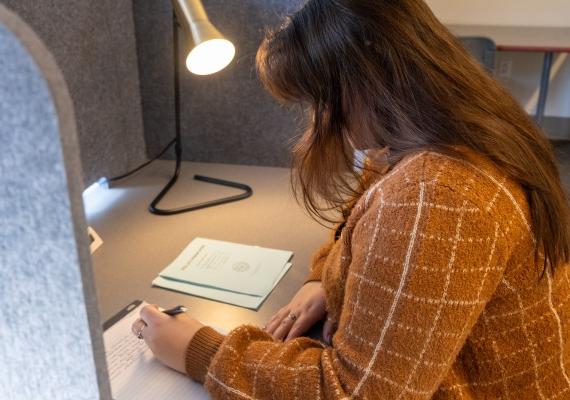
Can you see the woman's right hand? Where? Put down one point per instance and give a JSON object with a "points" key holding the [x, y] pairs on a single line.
{"points": [[305, 309]]}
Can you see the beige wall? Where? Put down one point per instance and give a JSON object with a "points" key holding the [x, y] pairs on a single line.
{"points": [[503, 12], [526, 68]]}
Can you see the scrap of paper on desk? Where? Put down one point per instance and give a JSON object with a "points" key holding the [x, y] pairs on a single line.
{"points": [[228, 272]]}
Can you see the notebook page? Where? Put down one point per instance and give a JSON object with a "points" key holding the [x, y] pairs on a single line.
{"points": [[136, 374]]}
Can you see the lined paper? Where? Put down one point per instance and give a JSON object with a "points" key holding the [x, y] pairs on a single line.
{"points": [[136, 374]]}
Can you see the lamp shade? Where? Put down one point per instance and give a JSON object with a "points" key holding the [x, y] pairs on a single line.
{"points": [[212, 52]]}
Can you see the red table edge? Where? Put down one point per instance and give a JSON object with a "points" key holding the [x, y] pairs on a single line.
{"points": [[537, 49]]}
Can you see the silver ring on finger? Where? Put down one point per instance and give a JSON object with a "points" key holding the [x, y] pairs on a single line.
{"points": [[292, 317], [140, 334]]}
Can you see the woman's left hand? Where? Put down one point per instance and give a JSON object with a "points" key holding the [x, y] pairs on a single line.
{"points": [[167, 336]]}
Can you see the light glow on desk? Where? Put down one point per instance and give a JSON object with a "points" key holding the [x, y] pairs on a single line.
{"points": [[98, 197]]}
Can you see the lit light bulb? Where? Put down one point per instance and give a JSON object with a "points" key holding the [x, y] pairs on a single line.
{"points": [[210, 56]]}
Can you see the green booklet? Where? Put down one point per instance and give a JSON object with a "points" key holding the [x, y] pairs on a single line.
{"points": [[228, 266], [224, 296]]}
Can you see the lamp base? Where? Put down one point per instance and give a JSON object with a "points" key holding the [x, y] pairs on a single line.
{"points": [[154, 209]]}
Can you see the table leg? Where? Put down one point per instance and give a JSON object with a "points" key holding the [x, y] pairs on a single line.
{"points": [[544, 84]]}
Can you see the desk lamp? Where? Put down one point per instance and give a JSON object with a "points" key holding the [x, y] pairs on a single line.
{"points": [[210, 53]]}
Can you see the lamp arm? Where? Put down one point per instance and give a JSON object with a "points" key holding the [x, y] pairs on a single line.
{"points": [[190, 10]]}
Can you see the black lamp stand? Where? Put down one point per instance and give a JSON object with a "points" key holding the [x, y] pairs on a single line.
{"points": [[153, 208]]}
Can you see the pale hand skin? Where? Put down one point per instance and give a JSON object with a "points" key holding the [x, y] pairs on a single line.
{"points": [[309, 307], [167, 336]]}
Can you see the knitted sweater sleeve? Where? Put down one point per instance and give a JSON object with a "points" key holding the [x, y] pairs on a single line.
{"points": [[425, 258]]}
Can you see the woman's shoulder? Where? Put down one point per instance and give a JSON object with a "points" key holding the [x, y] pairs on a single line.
{"points": [[468, 173], [464, 181]]}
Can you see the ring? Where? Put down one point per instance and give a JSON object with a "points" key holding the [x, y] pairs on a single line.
{"points": [[139, 334], [292, 317]]}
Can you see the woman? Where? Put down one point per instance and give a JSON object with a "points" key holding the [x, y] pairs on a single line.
{"points": [[446, 279]]}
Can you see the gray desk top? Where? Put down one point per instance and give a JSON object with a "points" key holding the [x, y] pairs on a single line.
{"points": [[520, 38], [138, 245]]}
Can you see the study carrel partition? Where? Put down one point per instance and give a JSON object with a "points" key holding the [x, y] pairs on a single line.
{"points": [[50, 332]]}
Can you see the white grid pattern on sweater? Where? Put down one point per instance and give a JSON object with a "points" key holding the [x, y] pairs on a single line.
{"points": [[559, 393], [523, 309], [373, 189], [443, 207], [438, 173], [368, 253], [409, 328], [547, 339], [496, 196], [435, 237], [502, 186], [296, 381], [496, 357], [441, 305], [255, 374], [276, 365], [327, 362], [300, 368], [410, 390], [559, 326], [260, 366], [382, 378], [527, 324], [396, 354], [502, 368], [527, 336], [230, 389], [500, 381], [236, 370], [403, 279], [465, 328], [419, 299], [551, 374], [393, 262]]}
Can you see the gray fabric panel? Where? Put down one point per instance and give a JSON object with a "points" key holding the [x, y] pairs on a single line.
{"points": [[46, 351], [94, 43], [227, 117]]}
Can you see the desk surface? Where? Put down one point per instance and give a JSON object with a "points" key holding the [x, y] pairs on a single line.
{"points": [[520, 38], [138, 245]]}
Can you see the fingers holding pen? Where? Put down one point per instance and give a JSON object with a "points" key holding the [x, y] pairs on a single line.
{"points": [[151, 314]]}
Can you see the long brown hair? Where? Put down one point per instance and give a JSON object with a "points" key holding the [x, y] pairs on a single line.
{"points": [[387, 73]]}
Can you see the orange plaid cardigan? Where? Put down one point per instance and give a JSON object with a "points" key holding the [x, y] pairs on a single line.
{"points": [[436, 293]]}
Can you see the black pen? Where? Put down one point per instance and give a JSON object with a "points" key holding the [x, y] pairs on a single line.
{"points": [[176, 310]]}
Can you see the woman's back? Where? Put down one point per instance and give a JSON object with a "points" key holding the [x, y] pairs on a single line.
{"points": [[456, 277]]}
